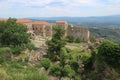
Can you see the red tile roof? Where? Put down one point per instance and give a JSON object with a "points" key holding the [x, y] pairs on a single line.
{"points": [[18, 20], [29, 21], [3, 19], [61, 21], [24, 20], [41, 22]]}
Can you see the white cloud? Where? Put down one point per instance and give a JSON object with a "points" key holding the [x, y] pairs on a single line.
{"points": [[68, 7]]}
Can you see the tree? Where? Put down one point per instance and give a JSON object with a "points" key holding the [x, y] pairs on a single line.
{"points": [[109, 52], [56, 44], [13, 34]]}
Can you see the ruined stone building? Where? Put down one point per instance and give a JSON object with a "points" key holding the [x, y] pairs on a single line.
{"points": [[37, 28], [44, 29], [82, 33]]}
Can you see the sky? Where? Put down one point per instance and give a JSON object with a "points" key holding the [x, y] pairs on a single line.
{"points": [[56, 8]]}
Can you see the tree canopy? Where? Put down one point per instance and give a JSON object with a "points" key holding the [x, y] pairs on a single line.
{"points": [[109, 53], [13, 33]]}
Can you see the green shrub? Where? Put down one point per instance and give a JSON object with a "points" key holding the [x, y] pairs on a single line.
{"points": [[16, 50], [68, 50], [5, 54], [78, 40], [74, 65], [30, 46], [45, 63], [70, 38], [16, 65], [55, 70], [67, 71], [109, 52], [92, 38], [88, 63]]}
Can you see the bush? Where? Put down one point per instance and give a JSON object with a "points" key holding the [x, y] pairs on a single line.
{"points": [[74, 65], [67, 71], [109, 52], [92, 38], [30, 46], [45, 63], [78, 40], [16, 50], [70, 38], [88, 63], [5, 54], [55, 70], [16, 65]]}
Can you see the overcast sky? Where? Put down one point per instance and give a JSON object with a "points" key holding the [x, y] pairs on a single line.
{"points": [[50, 8]]}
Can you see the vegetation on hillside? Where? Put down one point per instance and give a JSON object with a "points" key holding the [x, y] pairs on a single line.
{"points": [[13, 35], [13, 40], [64, 61]]}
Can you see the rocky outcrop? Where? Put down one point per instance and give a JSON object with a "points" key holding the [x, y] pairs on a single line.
{"points": [[36, 55]]}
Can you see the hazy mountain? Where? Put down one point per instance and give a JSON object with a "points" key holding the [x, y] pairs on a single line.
{"points": [[115, 19]]}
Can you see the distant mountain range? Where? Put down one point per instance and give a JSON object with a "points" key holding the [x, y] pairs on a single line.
{"points": [[114, 19]]}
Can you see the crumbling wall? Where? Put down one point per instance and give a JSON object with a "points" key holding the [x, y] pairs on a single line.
{"points": [[83, 33]]}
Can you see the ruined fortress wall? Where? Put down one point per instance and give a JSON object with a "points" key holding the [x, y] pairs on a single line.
{"points": [[83, 33]]}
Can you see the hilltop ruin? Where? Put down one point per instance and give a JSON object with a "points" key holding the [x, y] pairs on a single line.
{"points": [[42, 30]]}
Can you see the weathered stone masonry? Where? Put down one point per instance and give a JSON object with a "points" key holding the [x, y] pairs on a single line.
{"points": [[83, 33], [44, 29]]}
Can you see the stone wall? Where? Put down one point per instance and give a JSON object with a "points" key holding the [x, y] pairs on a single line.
{"points": [[42, 28], [83, 33]]}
